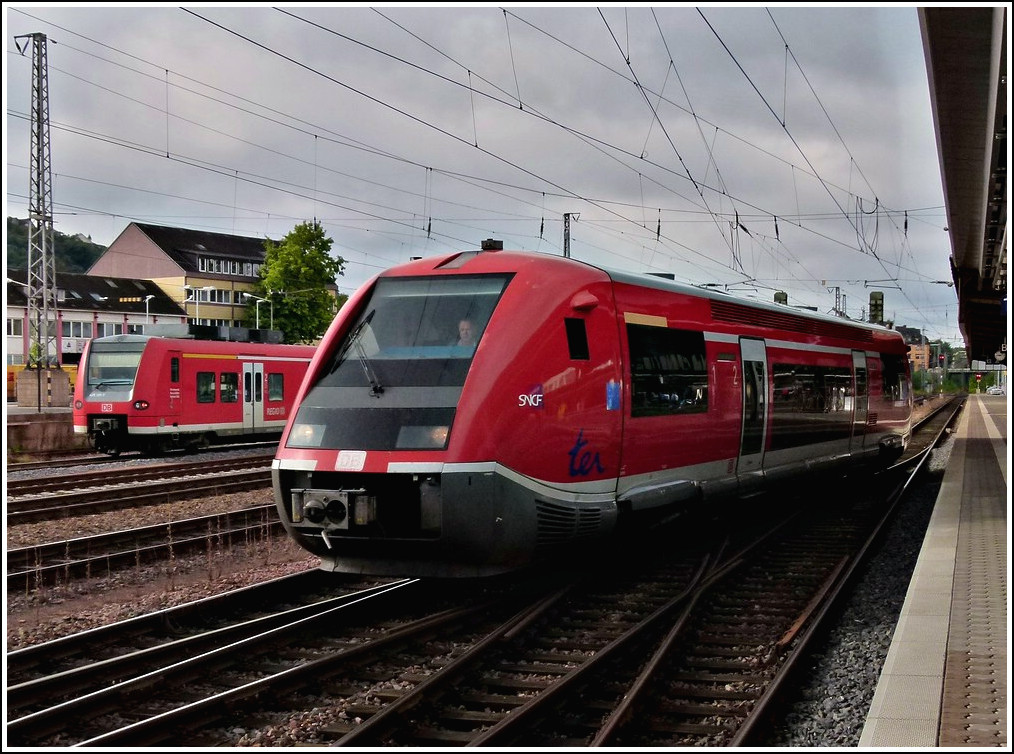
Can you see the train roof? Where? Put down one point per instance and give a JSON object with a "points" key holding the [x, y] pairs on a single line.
{"points": [[230, 346], [647, 280]]}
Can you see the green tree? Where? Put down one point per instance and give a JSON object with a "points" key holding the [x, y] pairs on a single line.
{"points": [[295, 277]]}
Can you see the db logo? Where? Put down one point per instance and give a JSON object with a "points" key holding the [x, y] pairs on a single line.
{"points": [[107, 408], [350, 460]]}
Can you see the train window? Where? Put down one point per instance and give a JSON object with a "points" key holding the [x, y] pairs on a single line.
{"points": [[577, 338], [174, 369], [229, 387], [894, 377], [276, 387], [113, 364], [205, 387], [395, 379], [810, 404], [408, 334], [668, 371]]}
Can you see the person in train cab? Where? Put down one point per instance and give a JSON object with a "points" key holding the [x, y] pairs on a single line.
{"points": [[466, 334]]}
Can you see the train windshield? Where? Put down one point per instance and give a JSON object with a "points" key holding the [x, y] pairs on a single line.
{"points": [[112, 365], [395, 379], [416, 332]]}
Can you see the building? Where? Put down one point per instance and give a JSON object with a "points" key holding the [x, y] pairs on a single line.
{"points": [[87, 306], [207, 273]]}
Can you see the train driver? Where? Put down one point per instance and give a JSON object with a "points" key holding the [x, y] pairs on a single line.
{"points": [[466, 334]]}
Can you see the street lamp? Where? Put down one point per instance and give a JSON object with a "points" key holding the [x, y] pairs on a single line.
{"points": [[196, 300], [147, 298], [257, 310]]}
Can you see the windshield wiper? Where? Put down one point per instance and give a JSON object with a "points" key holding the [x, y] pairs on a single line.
{"points": [[375, 387], [353, 340]]}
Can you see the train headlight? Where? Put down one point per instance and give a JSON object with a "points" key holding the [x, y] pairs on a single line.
{"points": [[78, 405], [306, 435], [423, 437], [141, 405]]}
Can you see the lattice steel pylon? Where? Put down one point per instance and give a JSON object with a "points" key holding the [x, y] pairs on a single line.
{"points": [[42, 352]]}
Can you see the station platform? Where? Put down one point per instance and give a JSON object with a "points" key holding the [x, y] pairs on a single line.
{"points": [[944, 681]]}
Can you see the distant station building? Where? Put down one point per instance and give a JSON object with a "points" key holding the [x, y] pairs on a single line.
{"points": [[207, 273], [87, 306], [151, 276]]}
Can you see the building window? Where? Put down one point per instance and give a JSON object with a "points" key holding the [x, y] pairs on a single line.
{"points": [[104, 329], [76, 329], [15, 327]]}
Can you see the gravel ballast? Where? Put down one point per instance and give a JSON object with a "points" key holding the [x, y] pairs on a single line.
{"points": [[835, 685]]}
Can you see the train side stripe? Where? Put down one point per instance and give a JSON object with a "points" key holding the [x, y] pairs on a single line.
{"points": [[787, 345]]}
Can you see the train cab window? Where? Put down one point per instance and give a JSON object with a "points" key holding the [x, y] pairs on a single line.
{"points": [[577, 338], [174, 369], [408, 333], [276, 387], [668, 371], [205, 387], [229, 387], [394, 380], [113, 366]]}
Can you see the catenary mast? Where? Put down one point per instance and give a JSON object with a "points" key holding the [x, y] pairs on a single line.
{"points": [[42, 351]]}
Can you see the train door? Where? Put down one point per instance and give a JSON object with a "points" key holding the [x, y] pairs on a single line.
{"points": [[861, 399], [755, 405], [175, 404], [253, 396]]}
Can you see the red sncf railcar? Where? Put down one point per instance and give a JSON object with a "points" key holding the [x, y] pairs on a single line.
{"points": [[152, 394], [591, 395]]}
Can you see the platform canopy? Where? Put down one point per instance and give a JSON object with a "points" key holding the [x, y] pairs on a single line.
{"points": [[966, 59]]}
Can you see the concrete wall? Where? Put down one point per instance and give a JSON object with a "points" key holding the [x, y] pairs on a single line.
{"points": [[51, 387], [45, 432]]}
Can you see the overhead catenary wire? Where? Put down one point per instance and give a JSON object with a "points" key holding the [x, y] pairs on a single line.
{"points": [[658, 232]]}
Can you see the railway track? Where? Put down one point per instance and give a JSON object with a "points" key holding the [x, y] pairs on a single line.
{"points": [[64, 459], [580, 665], [48, 564], [87, 481], [98, 492]]}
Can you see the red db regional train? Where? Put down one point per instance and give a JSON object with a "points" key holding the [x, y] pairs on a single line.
{"points": [[584, 397], [153, 394]]}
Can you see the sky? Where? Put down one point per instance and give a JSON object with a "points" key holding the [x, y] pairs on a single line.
{"points": [[747, 148]]}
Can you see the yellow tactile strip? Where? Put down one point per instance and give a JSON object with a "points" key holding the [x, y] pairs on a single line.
{"points": [[974, 704]]}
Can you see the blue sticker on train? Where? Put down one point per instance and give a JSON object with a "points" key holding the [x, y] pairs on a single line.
{"points": [[612, 396]]}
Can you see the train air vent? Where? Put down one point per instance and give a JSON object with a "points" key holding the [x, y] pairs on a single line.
{"points": [[558, 524], [727, 311]]}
